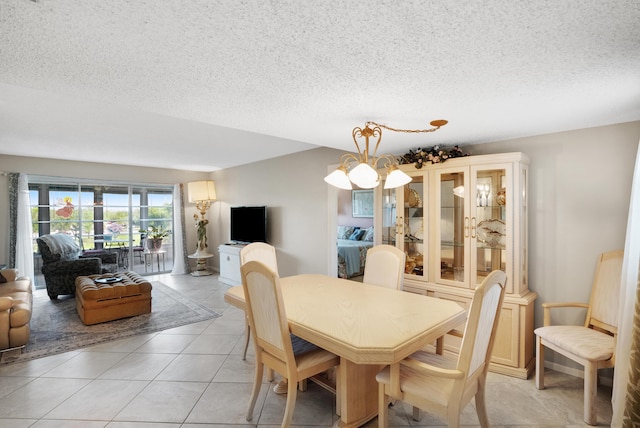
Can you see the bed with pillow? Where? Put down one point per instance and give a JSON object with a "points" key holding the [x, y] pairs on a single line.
{"points": [[353, 243]]}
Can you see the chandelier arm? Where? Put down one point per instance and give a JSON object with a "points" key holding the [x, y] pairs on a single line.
{"points": [[390, 160], [357, 132], [365, 172], [348, 157], [376, 132], [437, 124]]}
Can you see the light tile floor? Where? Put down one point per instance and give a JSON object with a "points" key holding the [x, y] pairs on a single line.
{"points": [[194, 377]]}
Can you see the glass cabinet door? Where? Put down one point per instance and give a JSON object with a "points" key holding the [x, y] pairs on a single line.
{"points": [[453, 225], [490, 226], [389, 217], [414, 233]]}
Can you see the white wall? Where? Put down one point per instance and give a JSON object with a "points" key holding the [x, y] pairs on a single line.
{"points": [[293, 189]]}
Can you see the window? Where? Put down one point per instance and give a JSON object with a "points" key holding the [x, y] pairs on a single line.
{"points": [[109, 216]]}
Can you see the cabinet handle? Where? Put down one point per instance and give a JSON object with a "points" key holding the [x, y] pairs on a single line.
{"points": [[399, 226], [228, 258], [473, 227], [466, 227]]}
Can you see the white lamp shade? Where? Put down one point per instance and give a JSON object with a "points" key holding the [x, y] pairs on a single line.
{"points": [[396, 178], [201, 191], [339, 179], [364, 176]]}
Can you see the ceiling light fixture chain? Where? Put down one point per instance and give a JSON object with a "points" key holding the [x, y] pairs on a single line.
{"points": [[365, 174], [437, 124]]}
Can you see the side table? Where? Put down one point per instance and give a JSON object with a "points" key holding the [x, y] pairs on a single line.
{"points": [[148, 259], [201, 264]]}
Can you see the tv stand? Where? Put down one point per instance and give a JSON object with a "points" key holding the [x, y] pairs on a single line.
{"points": [[230, 264]]}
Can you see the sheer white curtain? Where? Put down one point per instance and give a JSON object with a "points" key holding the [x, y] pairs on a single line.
{"points": [[24, 240], [180, 265], [629, 285]]}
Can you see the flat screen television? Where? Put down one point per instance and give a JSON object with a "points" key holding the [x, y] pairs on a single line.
{"points": [[249, 224]]}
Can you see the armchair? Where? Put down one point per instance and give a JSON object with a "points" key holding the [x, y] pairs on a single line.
{"points": [[16, 302], [592, 344], [62, 263]]}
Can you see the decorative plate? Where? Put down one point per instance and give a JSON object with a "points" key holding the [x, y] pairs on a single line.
{"points": [[108, 280], [411, 198], [492, 232]]}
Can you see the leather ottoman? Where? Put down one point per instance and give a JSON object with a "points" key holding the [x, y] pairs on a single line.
{"points": [[101, 298]]}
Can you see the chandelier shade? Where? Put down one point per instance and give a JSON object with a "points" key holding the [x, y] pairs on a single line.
{"points": [[365, 174], [339, 178], [395, 178]]}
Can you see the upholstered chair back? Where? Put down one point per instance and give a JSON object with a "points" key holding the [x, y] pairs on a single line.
{"points": [[605, 293], [58, 247]]}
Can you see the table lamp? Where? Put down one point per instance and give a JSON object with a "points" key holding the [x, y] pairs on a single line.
{"points": [[201, 193]]}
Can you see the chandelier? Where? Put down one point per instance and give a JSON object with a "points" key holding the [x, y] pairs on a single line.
{"points": [[365, 174]]}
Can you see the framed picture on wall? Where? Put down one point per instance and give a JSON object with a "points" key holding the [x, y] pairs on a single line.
{"points": [[362, 203]]}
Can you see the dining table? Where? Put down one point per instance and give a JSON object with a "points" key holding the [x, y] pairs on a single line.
{"points": [[119, 246], [367, 326]]}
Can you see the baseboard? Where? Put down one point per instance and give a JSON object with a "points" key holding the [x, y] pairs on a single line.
{"points": [[602, 380]]}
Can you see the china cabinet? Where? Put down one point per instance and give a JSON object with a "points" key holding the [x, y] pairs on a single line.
{"points": [[456, 222]]}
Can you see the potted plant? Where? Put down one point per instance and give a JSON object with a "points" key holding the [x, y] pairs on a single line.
{"points": [[155, 235]]}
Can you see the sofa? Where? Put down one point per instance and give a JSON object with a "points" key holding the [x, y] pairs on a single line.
{"points": [[63, 262], [16, 303]]}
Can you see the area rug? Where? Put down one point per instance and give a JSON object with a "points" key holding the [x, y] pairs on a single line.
{"points": [[56, 326]]}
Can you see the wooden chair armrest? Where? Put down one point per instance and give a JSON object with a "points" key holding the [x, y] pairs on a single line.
{"points": [[548, 306], [432, 370]]}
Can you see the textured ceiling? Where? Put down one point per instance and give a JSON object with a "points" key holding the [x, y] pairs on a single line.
{"points": [[204, 84]]}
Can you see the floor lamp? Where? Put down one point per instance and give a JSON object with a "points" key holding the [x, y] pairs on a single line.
{"points": [[201, 193]]}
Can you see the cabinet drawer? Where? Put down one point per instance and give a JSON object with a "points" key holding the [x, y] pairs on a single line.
{"points": [[415, 290]]}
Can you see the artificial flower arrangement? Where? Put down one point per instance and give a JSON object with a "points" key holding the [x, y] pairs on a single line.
{"points": [[114, 228], [433, 154]]}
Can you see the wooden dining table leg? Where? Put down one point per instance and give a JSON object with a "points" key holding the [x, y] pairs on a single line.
{"points": [[358, 393]]}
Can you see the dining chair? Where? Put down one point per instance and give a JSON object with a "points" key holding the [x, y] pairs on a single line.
{"points": [[592, 344], [272, 338], [444, 385], [384, 266], [266, 254], [138, 250]]}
